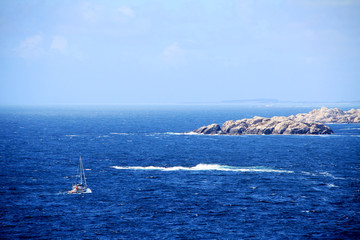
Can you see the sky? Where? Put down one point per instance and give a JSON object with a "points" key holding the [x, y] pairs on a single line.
{"points": [[163, 52]]}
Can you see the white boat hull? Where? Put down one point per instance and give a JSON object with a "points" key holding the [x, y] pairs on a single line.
{"points": [[79, 191]]}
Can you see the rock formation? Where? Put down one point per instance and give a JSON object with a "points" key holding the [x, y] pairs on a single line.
{"points": [[260, 125], [326, 115], [302, 123]]}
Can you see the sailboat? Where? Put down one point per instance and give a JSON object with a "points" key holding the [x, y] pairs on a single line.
{"points": [[80, 185]]}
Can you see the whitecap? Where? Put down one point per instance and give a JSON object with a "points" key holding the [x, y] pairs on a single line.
{"points": [[308, 173], [115, 133], [175, 133], [151, 134], [205, 167], [185, 133], [330, 185], [326, 174]]}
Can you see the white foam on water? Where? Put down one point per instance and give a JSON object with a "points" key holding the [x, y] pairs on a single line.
{"points": [[326, 174], [114, 133], [184, 133], [308, 173], [330, 185], [204, 167], [174, 133], [152, 134]]}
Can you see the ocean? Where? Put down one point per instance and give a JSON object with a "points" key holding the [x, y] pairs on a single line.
{"points": [[151, 181]]}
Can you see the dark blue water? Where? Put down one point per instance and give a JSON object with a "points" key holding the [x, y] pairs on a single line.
{"points": [[263, 187]]}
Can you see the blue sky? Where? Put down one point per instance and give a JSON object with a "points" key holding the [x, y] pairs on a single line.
{"points": [[126, 52]]}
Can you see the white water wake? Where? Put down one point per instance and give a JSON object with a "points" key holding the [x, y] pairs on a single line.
{"points": [[205, 167]]}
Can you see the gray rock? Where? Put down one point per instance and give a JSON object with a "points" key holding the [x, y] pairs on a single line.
{"points": [[261, 125], [302, 123], [326, 115], [210, 129]]}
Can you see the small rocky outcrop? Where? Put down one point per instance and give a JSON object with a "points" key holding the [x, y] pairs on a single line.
{"points": [[261, 125], [326, 115], [210, 129]]}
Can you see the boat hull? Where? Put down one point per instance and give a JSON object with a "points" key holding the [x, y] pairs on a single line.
{"points": [[80, 189], [87, 190]]}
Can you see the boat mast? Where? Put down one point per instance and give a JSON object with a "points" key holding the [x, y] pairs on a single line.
{"points": [[82, 172]]}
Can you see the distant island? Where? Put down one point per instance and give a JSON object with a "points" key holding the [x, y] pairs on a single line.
{"points": [[303, 123]]}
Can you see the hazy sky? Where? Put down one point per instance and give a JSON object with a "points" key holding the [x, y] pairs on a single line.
{"points": [[119, 52]]}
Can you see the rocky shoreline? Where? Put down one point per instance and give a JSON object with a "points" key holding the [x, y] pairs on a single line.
{"points": [[311, 123]]}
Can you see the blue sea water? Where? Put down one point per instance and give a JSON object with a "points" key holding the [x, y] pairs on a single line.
{"points": [[149, 181]]}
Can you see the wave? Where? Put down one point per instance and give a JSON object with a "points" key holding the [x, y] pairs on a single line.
{"points": [[326, 174], [115, 133], [204, 167], [330, 185], [175, 133]]}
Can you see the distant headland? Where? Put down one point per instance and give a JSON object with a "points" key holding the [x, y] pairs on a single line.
{"points": [[303, 123]]}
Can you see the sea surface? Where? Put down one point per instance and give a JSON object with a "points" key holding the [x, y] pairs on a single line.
{"points": [[151, 181]]}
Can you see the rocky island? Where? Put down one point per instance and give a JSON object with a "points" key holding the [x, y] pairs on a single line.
{"points": [[261, 125], [304, 123], [326, 115]]}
